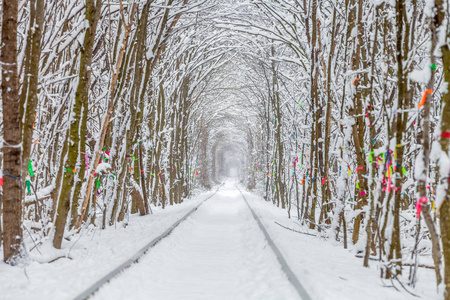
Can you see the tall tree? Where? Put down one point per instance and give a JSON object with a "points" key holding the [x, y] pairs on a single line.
{"points": [[443, 190], [425, 155], [12, 147], [29, 92], [76, 135]]}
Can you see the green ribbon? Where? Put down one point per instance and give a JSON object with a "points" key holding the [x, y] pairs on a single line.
{"points": [[98, 183], [357, 184], [404, 171], [389, 170], [28, 183], [30, 168]]}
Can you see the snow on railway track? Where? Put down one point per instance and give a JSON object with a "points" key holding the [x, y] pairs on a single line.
{"points": [[284, 265], [218, 251], [94, 288]]}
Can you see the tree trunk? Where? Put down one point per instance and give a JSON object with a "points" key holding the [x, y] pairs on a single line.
{"points": [[443, 190], [76, 136], [29, 93], [422, 180], [12, 148]]}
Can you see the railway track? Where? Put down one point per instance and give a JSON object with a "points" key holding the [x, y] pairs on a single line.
{"points": [[89, 292], [284, 265], [86, 294]]}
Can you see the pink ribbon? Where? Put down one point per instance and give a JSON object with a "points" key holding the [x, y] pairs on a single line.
{"points": [[87, 162], [419, 205], [389, 179]]}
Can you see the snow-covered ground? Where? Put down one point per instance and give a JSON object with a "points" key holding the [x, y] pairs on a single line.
{"points": [[327, 270], [93, 253], [219, 252]]}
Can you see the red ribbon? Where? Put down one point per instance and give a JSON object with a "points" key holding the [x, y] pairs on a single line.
{"points": [[419, 205]]}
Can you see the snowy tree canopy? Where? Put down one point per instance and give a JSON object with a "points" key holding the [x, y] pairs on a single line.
{"points": [[337, 112]]}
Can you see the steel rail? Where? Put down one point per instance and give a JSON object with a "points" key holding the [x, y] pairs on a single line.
{"points": [[284, 266], [96, 286]]}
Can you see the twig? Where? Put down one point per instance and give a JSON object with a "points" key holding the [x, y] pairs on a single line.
{"points": [[25, 272], [55, 259], [394, 285], [35, 246], [385, 285], [404, 264], [409, 292], [294, 229], [81, 234]]}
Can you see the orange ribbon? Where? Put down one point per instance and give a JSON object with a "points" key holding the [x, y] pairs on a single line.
{"points": [[424, 98]]}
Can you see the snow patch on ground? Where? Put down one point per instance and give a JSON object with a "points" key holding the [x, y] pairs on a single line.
{"points": [[93, 253], [327, 270], [217, 253]]}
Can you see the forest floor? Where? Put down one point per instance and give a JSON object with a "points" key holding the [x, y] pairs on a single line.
{"points": [[219, 252]]}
